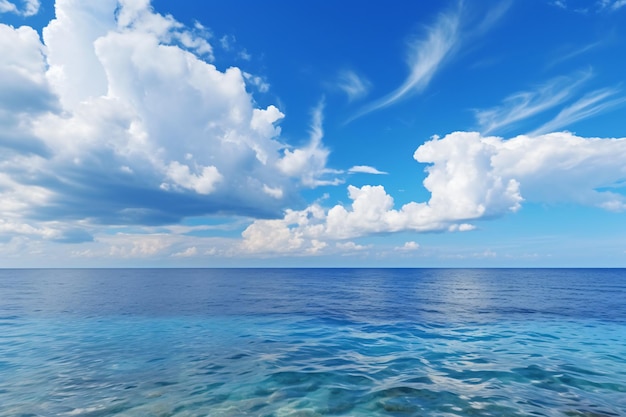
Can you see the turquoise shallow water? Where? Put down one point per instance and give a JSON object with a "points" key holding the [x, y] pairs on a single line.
{"points": [[313, 343]]}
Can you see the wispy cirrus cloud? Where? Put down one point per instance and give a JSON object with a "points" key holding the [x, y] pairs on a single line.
{"points": [[424, 57], [587, 6], [525, 104], [573, 54], [354, 85], [591, 104], [557, 92]]}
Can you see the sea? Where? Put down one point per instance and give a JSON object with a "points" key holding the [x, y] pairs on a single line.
{"points": [[312, 342]]}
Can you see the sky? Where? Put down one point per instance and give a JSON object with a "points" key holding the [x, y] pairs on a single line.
{"points": [[315, 134]]}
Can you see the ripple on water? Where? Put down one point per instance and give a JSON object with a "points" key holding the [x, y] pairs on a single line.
{"points": [[296, 363]]}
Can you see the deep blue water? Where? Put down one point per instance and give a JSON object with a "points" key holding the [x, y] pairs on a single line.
{"points": [[313, 342]]}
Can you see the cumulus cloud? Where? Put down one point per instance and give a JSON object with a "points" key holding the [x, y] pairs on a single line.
{"points": [[117, 115], [365, 169], [25, 92], [187, 253], [203, 183], [410, 246], [470, 177], [351, 247]]}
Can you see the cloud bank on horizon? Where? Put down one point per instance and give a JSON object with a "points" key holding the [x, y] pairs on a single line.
{"points": [[128, 134]]}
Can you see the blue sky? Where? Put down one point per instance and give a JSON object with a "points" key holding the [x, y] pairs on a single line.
{"points": [[242, 133]]}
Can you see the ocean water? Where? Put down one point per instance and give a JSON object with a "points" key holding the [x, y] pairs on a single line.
{"points": [[313, 342]]}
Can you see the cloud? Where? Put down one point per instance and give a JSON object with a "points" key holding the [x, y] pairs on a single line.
{"points": [[469, 177], [257, 82], [410, 246], [463, 227], [139, 246], [618, 4], [584, 7], [120, 117], [364, 169], [556, 92], [204, 182], [25, 93], [441, 42], [591, 104], [424, 57], [572, 54], [351, 247], [291, 234], [309, 162], [355, 86], [6, 6], [274, 192], [525, 104], [30, 7], [612, 5], [187, 253]]}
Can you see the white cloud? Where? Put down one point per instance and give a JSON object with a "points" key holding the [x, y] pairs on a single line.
{"points": [[243, 54], [351, 247], [525, 104], [30, 7], [25, 92], [203, 183], [6, 6], [292, 234], [139, 246], [425, 56], [309, 163], [227, 41], [618, 4], [408, 246], [591, 104], [463, 227], [353, 85], [441, 41], [611, 4], [120, 117], [572, 54], [274, 192], [364, 169], [150, 243], [187, 253], [470, 177], [257, 82]]}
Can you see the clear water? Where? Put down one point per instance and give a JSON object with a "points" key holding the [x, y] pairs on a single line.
{"points": [[306, 342]]}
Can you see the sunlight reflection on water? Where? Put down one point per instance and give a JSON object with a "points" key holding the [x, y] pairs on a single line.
{"points": [[345, 342]]}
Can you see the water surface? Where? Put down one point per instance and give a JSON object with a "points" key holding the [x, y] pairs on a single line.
{"points": [[313, 342]]}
